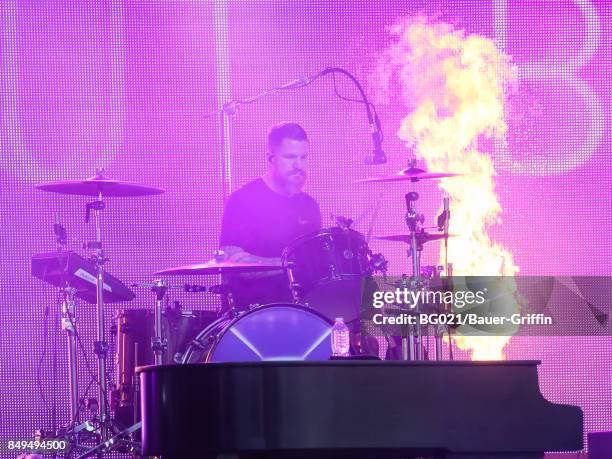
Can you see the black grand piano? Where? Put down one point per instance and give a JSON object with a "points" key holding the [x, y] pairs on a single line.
{"points": [[361, 409]]}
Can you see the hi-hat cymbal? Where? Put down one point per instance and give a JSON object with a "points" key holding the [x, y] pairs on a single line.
{"points": [[217, 267], [93, 186], [422, 237], [411, 174]]}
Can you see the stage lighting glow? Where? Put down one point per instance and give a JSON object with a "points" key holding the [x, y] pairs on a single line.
{"points": [[458, 84]]}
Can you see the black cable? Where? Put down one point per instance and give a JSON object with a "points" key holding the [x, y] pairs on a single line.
{"points": [[83, 354], [360, 101], [92, 374], [89, 370], [349, 99], [43, 354]]}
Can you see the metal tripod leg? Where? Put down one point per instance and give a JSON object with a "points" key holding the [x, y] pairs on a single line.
{"points": [[69, 326]]}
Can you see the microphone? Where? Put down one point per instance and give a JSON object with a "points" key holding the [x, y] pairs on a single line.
{"points": [[378, 156]]}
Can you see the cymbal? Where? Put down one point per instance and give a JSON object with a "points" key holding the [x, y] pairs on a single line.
{"points": [[217, 267], [93, 186], [411, 174], [422, 237]]}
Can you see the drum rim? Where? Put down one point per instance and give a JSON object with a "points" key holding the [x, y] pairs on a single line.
{"points": [[325, 231], [233, 320]]}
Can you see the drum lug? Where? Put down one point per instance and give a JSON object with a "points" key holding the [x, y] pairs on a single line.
{"points": [[334, 273]]}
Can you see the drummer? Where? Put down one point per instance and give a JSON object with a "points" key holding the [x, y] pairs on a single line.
{"points": [[265, 215]]}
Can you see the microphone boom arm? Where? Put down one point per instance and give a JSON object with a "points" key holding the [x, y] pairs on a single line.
{"points": [[378, 157]]}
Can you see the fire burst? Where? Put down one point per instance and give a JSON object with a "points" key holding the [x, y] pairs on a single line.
{"points": [[458, 85]]}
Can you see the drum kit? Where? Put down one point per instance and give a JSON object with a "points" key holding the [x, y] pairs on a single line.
{"points": [[325, 272]]}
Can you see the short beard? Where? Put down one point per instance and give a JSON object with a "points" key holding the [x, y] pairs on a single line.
{"points": [[292, 186]]}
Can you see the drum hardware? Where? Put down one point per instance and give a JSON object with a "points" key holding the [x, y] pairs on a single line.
{"points": [[218, 266], [94, 273], [412, 345], [379, 263], [443, 224], [75, 278], [431, 271], [100, 345], [69, 326], [123, 438], [159, 344], [341, 221]]}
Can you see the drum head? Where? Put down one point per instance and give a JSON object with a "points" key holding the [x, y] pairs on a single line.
{"points": [[274, 332], [336, 299], [326, 271]]}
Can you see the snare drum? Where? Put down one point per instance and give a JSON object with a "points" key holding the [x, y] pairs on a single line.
{"points": [[326, 271], [271, 332]]}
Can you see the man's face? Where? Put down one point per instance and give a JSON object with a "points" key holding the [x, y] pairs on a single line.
{"points": [[289, 163]]}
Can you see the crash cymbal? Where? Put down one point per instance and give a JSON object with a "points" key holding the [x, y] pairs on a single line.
{"points": [[411, 174], [217, 267], [93, 186], [422, 237]]}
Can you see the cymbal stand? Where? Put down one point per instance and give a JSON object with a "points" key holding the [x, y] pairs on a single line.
{"points": [[107, 438], [100, 345], [120, 439], [224, 289], [158, 343], [443, 225], [412, 345]]}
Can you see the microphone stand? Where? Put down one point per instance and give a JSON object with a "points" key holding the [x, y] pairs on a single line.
{"points": [[378, 157]]}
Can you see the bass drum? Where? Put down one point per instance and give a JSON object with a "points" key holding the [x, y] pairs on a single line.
{"points": [[271, 332]]}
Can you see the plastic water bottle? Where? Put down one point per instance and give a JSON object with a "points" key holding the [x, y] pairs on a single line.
{"points": [[341, 339]]}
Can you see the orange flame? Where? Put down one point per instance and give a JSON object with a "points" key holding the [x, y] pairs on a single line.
{"points": [[458, 85]]}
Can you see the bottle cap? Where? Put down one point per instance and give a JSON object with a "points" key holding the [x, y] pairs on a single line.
{"points": [[339, 319]]}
